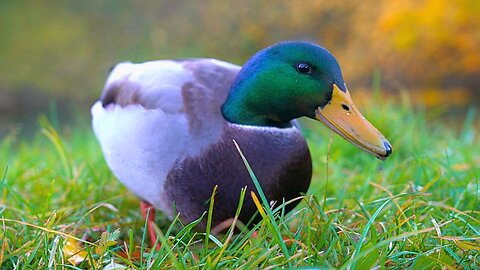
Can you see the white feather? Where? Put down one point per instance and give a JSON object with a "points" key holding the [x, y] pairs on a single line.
{"points": [[141, 145]]}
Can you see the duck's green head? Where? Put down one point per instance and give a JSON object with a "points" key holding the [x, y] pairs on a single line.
{"points": [[293, 79]]}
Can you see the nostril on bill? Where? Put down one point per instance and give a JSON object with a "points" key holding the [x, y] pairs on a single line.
{"points": [[345, 107]]}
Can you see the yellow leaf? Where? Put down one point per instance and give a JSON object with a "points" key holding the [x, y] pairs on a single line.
{"points": [[461, 166], [74, 251]]}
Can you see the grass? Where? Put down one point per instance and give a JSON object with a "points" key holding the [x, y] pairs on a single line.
{"points": [[61, 207]]}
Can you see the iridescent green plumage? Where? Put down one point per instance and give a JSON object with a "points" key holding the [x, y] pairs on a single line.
{"points": [[271, 91]]}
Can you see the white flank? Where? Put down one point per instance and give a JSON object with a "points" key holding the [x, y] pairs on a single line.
{"points": [[141, 145]]}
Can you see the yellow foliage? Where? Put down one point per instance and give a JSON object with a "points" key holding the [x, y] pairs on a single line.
{"points": [[431, 40]]}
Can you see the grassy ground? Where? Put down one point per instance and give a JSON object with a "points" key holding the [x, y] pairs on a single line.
{"points": [[60, 205]]}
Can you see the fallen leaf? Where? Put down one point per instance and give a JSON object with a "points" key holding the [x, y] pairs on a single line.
{"points": [[74, 251]]}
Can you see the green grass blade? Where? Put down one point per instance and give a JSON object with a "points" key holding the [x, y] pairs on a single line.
{"points": [[275, 231], [55, 139], [209, 220]]}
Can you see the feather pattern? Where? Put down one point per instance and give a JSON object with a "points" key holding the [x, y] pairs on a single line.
{"points": [[162, 134]]}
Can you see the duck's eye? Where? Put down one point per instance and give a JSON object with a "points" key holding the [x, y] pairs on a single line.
{"points": [[304, 68]]}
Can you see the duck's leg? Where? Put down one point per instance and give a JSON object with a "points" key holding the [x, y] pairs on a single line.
{"points": [[148, 213]]}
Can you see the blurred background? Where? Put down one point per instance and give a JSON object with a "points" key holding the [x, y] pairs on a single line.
{"points": [[55, 55]]}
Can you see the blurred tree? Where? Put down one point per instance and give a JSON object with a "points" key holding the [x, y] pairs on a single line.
{"points": [[435, 43]]}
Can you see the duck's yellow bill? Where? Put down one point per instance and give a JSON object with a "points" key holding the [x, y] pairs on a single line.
{"points": [[341, 116]]}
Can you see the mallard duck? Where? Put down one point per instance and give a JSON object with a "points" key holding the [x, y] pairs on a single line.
{"points": [[166, 128]]}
